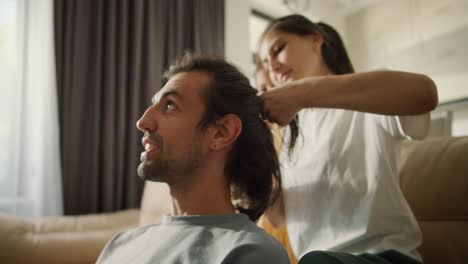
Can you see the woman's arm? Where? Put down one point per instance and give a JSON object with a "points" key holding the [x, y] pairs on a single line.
{"points": [[379, 92]]}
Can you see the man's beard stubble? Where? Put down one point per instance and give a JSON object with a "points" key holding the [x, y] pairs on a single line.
{"points": [[171, 169]]}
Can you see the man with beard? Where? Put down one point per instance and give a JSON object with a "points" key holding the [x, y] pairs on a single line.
{"points": [[205, 138]]}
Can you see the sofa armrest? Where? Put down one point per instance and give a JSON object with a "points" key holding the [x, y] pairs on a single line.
{"points": [[67, 239], [82, 223], [433, 177]]}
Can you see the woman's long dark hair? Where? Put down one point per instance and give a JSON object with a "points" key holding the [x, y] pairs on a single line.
{"points": [[252, 167], [333, 51]]}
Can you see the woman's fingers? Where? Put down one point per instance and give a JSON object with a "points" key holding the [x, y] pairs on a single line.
{"points": [[269, 109], [276, 108]]}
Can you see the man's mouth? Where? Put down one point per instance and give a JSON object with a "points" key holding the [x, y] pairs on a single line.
{"points": [[150, 147]]}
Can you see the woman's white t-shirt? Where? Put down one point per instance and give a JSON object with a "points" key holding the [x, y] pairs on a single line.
{"points": [[341, 183]]}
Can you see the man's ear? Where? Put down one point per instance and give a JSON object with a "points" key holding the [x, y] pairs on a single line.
{"points": [[226, 130], [317, 39]]}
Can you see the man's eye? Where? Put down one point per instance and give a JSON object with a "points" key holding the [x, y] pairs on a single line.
{"points": [[169, 106]]}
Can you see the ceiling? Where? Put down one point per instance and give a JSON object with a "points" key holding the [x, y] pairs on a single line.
{"points": [[314, 9]]}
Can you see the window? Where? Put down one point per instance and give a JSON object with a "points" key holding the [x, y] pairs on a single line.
{"points": [[257, 24], [9, 42], [30, 180]]}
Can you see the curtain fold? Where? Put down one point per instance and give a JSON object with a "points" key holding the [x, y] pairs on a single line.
{"points": [[110, 57]]}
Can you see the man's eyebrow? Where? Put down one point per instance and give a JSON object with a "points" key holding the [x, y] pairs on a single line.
{"points": [[154, 99]]}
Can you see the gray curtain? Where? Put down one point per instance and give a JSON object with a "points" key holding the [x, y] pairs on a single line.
{"points": [[110, 57]]}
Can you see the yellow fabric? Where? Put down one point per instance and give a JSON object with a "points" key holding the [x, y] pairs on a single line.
{"points": [[280, 234], [277, 133]]}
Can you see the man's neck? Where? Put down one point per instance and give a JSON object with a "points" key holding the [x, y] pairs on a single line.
{"points": [[207, 194]]}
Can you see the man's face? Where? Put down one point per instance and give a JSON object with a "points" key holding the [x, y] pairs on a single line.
{"points": [[173, 140]]}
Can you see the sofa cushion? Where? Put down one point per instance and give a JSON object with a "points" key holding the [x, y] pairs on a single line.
{"points": [[85, 223], [434, 177], [22, 242], [444, 241]]}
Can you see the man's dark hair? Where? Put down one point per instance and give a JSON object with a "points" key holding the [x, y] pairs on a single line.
{"points": [[333, 49], [252, 167]]}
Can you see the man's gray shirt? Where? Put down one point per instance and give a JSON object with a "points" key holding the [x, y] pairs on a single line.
{"points": [[195, 239]]}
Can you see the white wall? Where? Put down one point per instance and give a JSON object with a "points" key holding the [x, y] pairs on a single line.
{"points": [[460, 123], [426, 36], [237, 34], [339, 23]]}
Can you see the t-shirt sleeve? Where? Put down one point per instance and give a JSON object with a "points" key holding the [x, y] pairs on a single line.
{"points": [[109, 248], [415, 127], [112, 245], [255, 253], [406, 127]]}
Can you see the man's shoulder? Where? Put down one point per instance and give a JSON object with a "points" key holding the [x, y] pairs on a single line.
{"points": [[132, 233], [124, 244], [127, 236], [247, 231], [265, 251], [254, 233], [243, 242], [256, 246]]}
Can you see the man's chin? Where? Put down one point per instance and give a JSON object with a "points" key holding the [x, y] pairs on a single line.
{"points": [[147, 172]]}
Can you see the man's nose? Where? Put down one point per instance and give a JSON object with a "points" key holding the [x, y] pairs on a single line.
{"points": [[147, 122]]}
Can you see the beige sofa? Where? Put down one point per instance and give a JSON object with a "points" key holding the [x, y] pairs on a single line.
{"points": [[75, 239], [434, 178]]}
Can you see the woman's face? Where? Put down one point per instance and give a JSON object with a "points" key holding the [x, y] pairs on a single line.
{"points": [[291, 57]]}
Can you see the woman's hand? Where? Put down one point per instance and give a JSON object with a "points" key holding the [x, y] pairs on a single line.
{"points": [[281, 104]]}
